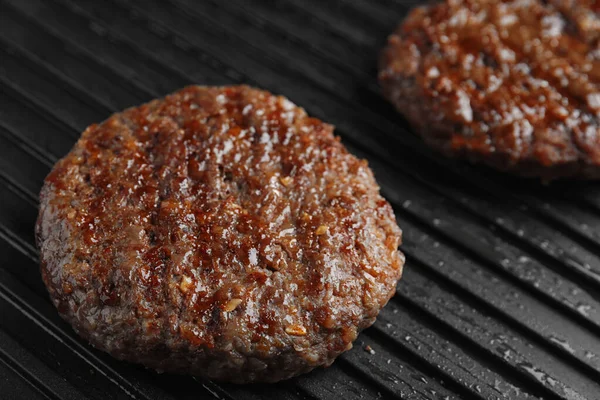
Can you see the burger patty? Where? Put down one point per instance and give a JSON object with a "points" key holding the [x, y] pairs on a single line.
{"points": [[220, 232], [513, 84]]}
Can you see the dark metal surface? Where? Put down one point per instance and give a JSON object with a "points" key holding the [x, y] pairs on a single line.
{"points": [[501, 295]]}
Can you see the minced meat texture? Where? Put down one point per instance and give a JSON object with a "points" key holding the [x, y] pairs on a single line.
{"points": [[220, 232], [514, 84]]}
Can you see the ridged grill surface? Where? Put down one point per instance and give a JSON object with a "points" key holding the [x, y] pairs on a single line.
{"points": [[501, 293]]}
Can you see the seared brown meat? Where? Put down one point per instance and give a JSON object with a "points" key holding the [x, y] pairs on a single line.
{"points": [[219, 231], [513, 84]]}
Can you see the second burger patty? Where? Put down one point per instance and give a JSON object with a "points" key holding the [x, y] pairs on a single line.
{"points": [[513, 84]]}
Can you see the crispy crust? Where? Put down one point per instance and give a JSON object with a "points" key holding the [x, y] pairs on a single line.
{"points": [[515, 84], [220, 232]]}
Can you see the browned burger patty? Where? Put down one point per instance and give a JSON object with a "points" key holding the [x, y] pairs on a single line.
{"points": [[513, 84], [219, 231]]}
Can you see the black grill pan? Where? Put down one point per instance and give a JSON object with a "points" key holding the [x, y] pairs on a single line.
{"points": [[501, 294]]}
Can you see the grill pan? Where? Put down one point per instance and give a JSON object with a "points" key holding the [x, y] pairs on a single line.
{"points": [[501, 292]]}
